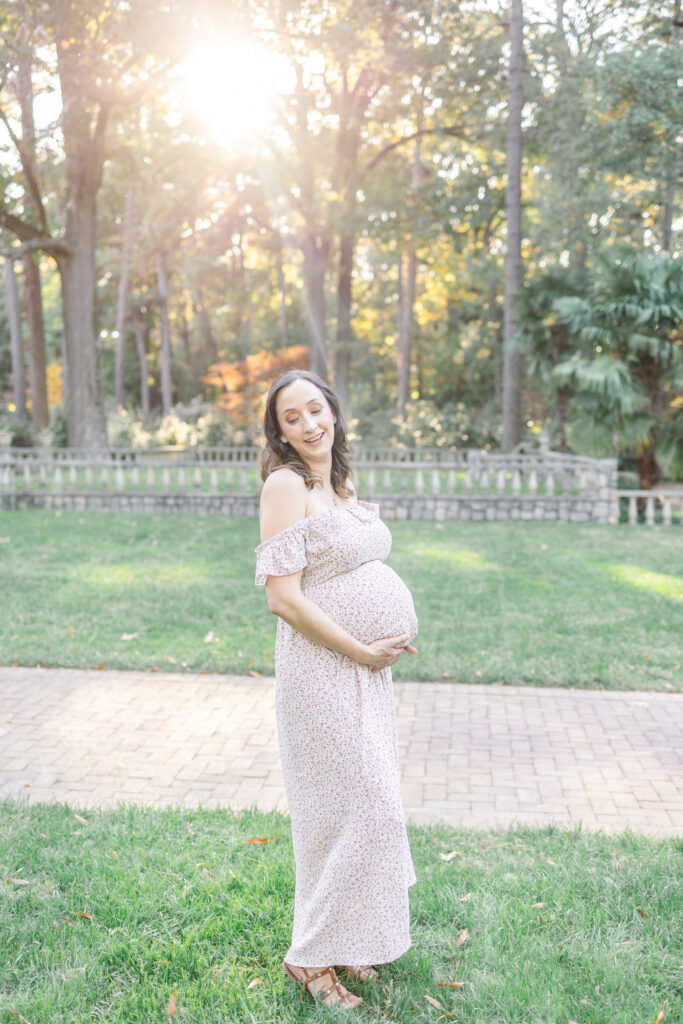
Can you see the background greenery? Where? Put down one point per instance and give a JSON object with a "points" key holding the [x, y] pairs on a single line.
{"points": [[544, 604], [375, 197]]}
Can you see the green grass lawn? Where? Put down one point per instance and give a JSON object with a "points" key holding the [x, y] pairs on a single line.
{"points": [[105, 919], [531, 603]]}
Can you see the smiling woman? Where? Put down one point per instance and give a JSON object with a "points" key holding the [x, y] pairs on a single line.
{"points": [[233, 86]]}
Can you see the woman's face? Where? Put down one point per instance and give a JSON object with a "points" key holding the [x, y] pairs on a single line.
{"points": [[306, 420]]}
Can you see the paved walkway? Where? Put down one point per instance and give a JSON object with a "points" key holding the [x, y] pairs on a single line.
{"points": [[470, 755]]}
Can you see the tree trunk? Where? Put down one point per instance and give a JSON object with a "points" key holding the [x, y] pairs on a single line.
{"points": [[32, 297], [140, 332], [283, 294], [83, 130], [122, 306], [646, 464], [342, 355], [315, 266], [183, 329], [16, 344], [353, 105], [670, 187], [165, 328], [85, 413], [40, 414], [204, 320], [408, 289], [512, 359], [243, 299]]}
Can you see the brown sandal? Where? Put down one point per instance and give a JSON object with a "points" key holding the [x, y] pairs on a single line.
{"points": [[332, 994], [362, 974]]}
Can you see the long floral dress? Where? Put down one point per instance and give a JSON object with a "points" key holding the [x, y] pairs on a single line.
{"points": [[337, 734]]}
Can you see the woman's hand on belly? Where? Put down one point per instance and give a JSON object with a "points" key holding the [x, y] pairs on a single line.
{"points": [[385, 652]]}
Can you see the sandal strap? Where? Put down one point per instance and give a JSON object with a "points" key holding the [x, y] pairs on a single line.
{"points": [[310, 974]]}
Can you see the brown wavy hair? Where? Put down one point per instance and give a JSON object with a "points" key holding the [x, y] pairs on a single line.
{"points": [[279, 453]]}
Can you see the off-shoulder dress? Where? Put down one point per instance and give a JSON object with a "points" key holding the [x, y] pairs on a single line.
{"points": [[337, 734]]}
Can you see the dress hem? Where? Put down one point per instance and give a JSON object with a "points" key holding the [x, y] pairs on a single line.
{"points": [[361, 961]]}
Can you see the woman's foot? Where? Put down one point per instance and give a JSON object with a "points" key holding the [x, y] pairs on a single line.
{"points": [[323, 982], [363, 973]]}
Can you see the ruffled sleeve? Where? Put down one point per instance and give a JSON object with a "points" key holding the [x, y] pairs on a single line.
{"points": [[281, 555]]}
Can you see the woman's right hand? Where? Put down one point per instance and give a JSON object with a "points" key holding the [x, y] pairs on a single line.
{"points": [[385, 652]]}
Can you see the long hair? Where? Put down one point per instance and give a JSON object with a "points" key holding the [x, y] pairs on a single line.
{"points": [[278, 453]]}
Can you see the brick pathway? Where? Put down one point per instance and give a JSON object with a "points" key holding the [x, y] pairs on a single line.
{"points": [[470, 755]]}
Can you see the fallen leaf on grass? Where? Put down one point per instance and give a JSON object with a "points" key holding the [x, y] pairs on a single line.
{"points": [[254, 982], [151, 668], [434, 1002], [16, 881], [82, 913], [256, 675], [116, 856], [466, 897], [18, 1016], [189, 828], [101, 665], [171, 1005], [641, 912], [128, 636], [449, 856], [67, 920], [660, 1017], [462, 937], [450, 984], [269, 839], [205, 871], [537, 906], [83, 821], [210, 637], [174, 661], [552, 863]]}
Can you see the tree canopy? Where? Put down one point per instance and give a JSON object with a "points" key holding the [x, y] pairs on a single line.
{"points": [[194, 193]]}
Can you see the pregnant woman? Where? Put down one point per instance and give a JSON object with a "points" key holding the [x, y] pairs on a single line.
{"points": [[344, 617]]}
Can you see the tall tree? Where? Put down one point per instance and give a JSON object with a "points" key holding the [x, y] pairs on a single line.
{"points": [[99, 52], [17, 345], [512, 359]]}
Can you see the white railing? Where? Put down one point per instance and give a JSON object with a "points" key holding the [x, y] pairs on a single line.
{"points": [[428, 473], [651, 507]]}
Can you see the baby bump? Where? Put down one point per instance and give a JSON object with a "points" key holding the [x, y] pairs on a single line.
{"points": [[370, 602]]}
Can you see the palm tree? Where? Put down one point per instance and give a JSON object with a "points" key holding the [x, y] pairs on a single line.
{"points": [[627, 369]]}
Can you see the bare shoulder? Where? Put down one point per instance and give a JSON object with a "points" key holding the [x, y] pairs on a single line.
{"points": [[283, 502]]}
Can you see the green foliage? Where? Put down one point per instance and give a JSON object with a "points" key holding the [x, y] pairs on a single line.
{"points": [[626, 370], [16, 433], [59, 426]]}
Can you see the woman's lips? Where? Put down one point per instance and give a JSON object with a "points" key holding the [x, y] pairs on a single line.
{"points": [[314, 440]]}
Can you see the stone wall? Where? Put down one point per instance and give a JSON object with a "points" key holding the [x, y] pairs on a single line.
{"points": [[397, 507], [194, 504]]}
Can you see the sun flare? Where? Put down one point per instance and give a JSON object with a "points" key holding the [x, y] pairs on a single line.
{"points": [[233, 86]]}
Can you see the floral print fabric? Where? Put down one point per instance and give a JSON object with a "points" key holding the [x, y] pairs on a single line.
{"points": [[337, 734]]}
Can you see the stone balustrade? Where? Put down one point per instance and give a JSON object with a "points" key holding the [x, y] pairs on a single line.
{"points": [[434, 484]]}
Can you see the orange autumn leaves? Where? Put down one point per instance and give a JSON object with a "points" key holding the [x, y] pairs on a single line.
{"points": [[240, 385]]}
